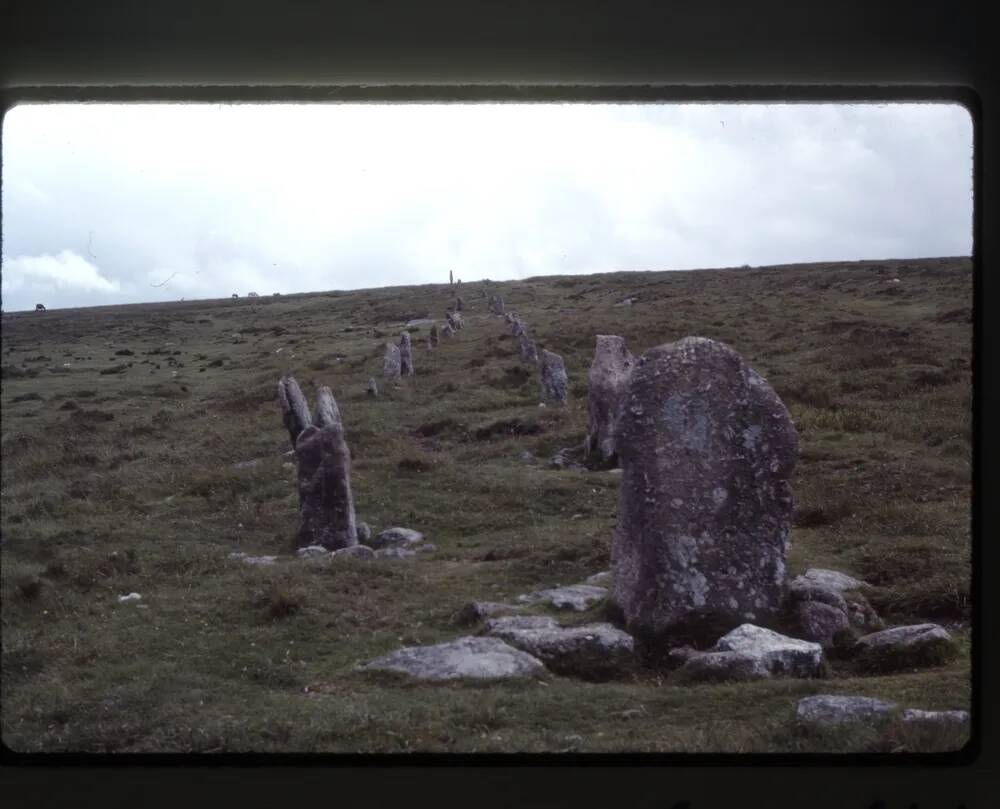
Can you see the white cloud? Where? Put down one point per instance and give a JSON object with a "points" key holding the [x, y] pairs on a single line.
{"points": [[65, 272]]}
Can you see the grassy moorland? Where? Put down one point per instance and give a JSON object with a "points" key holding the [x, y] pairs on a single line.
{"points": [[118, 476]]}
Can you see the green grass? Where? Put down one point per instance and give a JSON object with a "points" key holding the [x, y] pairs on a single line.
{"points": [[121, 482]]}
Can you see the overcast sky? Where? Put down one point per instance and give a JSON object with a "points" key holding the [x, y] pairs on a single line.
{"points": [[117, 203]]}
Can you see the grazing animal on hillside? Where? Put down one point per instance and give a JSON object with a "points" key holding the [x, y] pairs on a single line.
{"points": [[235, 295], [252, 295], [39, 307]]}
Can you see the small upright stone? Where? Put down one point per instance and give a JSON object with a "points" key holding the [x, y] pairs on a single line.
{"points": [[517, 327], [459, 303], [294, 408], [372, 386], [707, 451], [609, 375], [392, 362], [405, 354], [529, 351], [326, 504], [552, 374], [447, 330], [433, 335], [497, 306]]}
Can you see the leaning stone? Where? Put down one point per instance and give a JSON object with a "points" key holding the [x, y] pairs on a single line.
{"points": [[397, 537], [355, 551], [591, 651], [405, 354], [294, 409], [778, 653], [606, 383], [718, 667], [529, 351], [552, 375], [820, 622], [914, 716], [391, 362], [578, 597], [707, 451], [326, 504], [476, 611], [482, 658], [830, 579], [312, 552], [905, 647], [828, 709]]}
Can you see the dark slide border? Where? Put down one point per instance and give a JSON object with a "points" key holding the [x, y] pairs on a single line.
{"points": [[508, 50]]}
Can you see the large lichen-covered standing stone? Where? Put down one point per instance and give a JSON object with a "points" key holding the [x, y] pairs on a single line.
{"points": [[707, 450], [552, 375], [294, 408], [391, 362], [609, 374], [326, 504], [405, 354]]}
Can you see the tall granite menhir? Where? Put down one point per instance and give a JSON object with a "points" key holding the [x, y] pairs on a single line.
{"points": [[405, 354], [707, 450], [326, 504]]}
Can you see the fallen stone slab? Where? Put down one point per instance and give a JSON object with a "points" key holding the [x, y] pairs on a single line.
{"points": [[779, 654], [481, 658], [915, 716], [591, 651], [829, 709], [254, 560], [578, 597], [830, 579], [476, 611], [904, 647], [396, 538], [718, 667]]}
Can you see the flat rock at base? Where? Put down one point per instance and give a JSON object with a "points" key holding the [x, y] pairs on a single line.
{"points": [[914, 716], [483, 658], [577, 597], [356, 551], [830, 579], [779, 654], [599, 578], [313, 552], [905, 647], [476, 611], [828, 709], [591, 651], [717, 667], [396, 537]]}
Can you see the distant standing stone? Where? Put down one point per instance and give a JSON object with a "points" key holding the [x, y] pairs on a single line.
{"points": [[405, 354], [294, 408], [372, 386], [326, 504], [459, 303], [707, 450], [391, 362], [552, 375], [529, 351], [433, 338], [606, 382]]}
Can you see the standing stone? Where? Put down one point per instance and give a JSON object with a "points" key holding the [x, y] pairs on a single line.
{"points": [[517, 327], [405, 354], [609, 374], [459, 303], [433, 339], [294, 408], [372, 386], [497, 306], [326, 505], [447, 330], [454, 320], [707, 450], [529, 351], [451, 278], [552, 373], [392, 362]]}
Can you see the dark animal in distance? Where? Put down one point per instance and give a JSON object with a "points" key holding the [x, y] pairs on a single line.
{"points": [[235, 295], [39, 307], [252, 295]]}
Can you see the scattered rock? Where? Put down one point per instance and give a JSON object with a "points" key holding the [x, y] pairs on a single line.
{"points": [[603, 578], [820, 622], [256, 560], [606, 382], [829, 579], [391, 362], [312, 552], [778, 653], [474, 657], [914, 716], [577, 597], [829, 709], [394, 553], [356, 551], [246, 464], [364, 532], [591, 651], [905, 647], [130, 597], [564, 459], [476, 611], [372, 389], [707, 451], [717, 667], [397, 537], [447, 330], [425, 547]]}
